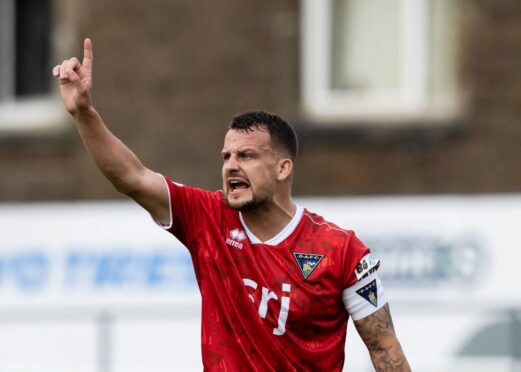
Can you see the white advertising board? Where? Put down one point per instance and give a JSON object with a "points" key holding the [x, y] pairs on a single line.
{"points": [[438, 249], [90, 254], [449, 265]]}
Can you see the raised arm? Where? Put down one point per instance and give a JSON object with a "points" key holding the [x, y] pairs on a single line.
{"points": [[115, 160], [377, 332]]}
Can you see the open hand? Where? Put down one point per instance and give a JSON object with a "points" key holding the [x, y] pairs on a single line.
{"points": [[76, 81]]}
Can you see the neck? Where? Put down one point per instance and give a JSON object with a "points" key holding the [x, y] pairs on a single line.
{"points": [[267, 221]]}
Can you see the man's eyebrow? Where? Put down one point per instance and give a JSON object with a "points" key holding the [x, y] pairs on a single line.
{"points": [[247, 149], [242, 150]]}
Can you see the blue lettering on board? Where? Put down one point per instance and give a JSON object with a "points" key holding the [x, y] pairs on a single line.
{"points": [[27, 271], [159, 269]]}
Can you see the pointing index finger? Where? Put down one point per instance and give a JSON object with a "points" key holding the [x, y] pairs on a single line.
{"points": [[88, 55]]}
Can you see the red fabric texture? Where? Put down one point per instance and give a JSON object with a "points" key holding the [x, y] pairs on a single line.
{"points": [[234, 276]]}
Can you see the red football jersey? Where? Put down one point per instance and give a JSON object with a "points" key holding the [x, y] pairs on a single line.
{"points": [[273, 305]]}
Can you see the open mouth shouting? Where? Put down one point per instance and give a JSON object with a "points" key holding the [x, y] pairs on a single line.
{"points": [[237, 185]]}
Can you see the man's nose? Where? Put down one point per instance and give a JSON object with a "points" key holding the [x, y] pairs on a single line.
{"points": [[231, 164]]}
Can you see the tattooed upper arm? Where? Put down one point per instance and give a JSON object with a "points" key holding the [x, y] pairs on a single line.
{"points": [[377, 332]]}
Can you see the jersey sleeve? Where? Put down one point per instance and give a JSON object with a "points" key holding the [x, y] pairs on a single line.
{"points": [[358, 261], [363, 292], [190, 210]]}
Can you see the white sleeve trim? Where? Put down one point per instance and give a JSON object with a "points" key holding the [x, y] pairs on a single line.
{"points": [[364, 297], [170, 221]]}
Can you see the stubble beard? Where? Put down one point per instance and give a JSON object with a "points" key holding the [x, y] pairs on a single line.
{"points": [[254, 203]]}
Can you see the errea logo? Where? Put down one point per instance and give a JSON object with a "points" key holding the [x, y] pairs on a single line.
{"points": [[237, 234], [235, 238]]}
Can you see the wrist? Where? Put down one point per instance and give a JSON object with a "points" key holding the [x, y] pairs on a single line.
{"points": [[85, 115]]}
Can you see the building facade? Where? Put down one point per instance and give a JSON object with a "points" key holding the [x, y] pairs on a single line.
{"points": [[437, 112]]}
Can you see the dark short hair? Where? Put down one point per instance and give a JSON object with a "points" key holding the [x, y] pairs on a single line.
{"points": [[281, 132]]}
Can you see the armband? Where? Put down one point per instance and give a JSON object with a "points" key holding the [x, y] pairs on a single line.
{"points": [[364, 297]]}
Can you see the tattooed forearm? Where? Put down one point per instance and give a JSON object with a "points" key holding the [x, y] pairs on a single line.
{"points": [[377, 332]]}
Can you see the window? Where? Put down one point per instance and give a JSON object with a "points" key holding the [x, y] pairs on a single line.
{"points": [[26, 98], [379, 60]]}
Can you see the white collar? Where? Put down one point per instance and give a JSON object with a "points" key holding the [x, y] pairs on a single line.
{"points": [[283, 234]]}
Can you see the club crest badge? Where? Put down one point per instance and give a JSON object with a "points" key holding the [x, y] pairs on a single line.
{"points": [[369, 292], [307, 262]]}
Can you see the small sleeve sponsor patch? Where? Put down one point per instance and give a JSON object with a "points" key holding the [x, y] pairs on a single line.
{"points": [[367, 265]]}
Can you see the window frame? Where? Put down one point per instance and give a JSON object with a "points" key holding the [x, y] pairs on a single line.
{"points": [[38, 114], [322, 104]]}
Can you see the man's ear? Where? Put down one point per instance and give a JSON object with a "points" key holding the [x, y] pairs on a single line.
{"points": [[284, 169]]}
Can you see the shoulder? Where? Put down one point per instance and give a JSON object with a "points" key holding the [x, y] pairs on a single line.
{"points": [[319, 225], [330, 234], [341, 246], [180, 191]]}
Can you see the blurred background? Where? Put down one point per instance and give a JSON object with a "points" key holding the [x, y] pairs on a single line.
{"points": [[408, 118]]}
